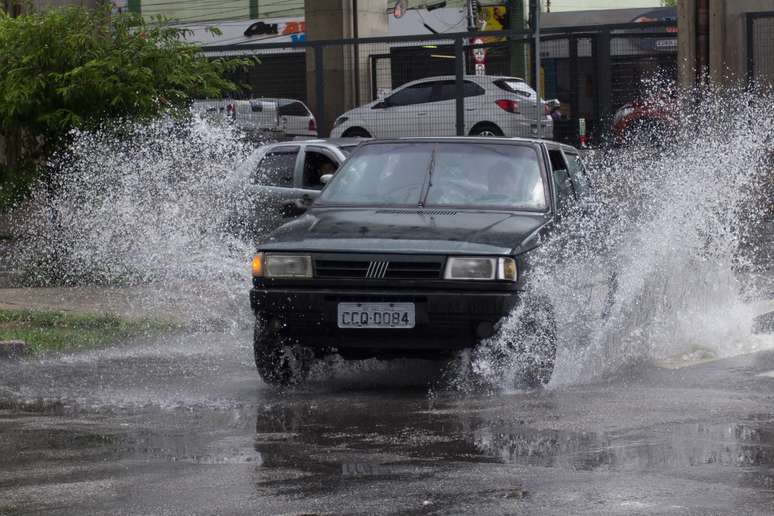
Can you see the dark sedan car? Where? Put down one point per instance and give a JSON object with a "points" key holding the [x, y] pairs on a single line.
{"points": [[416, 247]]}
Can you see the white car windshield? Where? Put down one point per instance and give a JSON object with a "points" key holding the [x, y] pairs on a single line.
{"points": [[440, 174]]}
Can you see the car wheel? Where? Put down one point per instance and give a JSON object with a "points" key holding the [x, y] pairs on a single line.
{"points": [[356, 132], [279, 361], [537, 349], [486, 130]]}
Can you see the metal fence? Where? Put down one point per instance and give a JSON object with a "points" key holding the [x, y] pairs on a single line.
{"points": [[590, 70], [760, 47]]}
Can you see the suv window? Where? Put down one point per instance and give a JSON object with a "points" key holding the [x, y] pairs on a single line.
{"points": [[293, 109], [277, 167], [561, 174], [416, 94], [447, 90], [577, 172], [557, 159]]}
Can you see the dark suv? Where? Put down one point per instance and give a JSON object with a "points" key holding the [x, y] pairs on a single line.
{"points": [[416, 247]]}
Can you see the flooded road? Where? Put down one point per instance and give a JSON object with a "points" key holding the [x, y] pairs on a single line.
{"points": [[184, 426], [662, 400]]}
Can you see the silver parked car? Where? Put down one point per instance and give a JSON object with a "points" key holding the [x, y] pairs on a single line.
{"points": [[494, 106], [286, 177], [274, 116]]}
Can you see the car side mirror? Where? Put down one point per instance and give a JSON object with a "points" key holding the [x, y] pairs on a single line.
{"points": [[326, 178], [296, 207], [381, 105]]}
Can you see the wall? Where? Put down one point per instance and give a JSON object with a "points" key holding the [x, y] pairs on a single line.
{"points": [[727, 39], [333, 19], [586, 5]]}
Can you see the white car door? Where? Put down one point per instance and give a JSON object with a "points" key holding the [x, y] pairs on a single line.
{"points": [[442, 118], [404, 113]]}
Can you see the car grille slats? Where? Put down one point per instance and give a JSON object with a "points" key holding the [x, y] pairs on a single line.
{"points": [[429, 211], [341, 268], [413, 270], [382, 268]]}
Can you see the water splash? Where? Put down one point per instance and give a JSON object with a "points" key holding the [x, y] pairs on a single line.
{"points": [[651, 272], [147, 204], [653, 267]]}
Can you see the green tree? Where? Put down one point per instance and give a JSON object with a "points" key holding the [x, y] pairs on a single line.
{"points": [[669, 3], [72, 67]]}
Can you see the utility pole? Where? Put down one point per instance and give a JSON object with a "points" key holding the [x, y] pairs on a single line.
{"points": [[516, 47], [469, 8], [539, 113], [11, 8]]}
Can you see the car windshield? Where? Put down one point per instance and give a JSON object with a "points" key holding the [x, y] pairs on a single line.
{"points": [[440, 174]]}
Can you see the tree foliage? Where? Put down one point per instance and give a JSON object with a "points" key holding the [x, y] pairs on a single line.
{"points": [[71, 67]]}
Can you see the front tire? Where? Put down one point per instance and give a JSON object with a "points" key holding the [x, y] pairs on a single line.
{"points": [[279, 361], [537, 346], [356, 132], [486, 129]]}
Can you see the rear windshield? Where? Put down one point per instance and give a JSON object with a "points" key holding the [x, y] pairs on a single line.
{"points": [[293, 109], [440, 174], [520, 88]]}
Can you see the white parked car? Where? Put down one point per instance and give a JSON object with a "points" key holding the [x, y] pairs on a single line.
{"points": [[287, 116], [494, 106]]}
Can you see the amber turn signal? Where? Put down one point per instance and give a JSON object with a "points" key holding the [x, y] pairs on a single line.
{"points": [[257, 265]]}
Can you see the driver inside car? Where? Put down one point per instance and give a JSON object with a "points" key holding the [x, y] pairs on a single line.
{"points": [[507, 182]]}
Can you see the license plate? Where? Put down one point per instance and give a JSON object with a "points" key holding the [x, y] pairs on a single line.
{"points": [[376, 315]]}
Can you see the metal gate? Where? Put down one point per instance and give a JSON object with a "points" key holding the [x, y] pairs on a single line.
{"points": [[760, 47], [591, 70]]}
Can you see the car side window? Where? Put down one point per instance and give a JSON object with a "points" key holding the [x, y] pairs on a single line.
{"points": [[447, 90], [577, 173], [561, 175], [317, 163], [277, 167], [293, 109], [416, 94]]}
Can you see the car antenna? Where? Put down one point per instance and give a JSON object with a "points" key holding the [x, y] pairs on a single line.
{"points": [[429, 177]]}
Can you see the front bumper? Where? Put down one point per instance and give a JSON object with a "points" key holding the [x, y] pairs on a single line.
{"points": [[445, 319]]}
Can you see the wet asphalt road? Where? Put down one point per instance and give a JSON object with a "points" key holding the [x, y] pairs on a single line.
{"points": [[184, 426]]}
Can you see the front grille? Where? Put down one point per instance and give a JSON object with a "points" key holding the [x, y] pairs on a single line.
{"points": [[413, 270], [341, 268], [393, 211], [377, 269]]}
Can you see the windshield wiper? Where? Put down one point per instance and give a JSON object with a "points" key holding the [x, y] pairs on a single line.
{"points": [[429, 177]]}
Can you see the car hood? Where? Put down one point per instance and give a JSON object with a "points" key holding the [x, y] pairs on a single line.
{"points": [[407, 230]]}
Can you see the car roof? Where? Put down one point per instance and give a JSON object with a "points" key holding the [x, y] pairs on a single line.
{"points": [[469, 77], [278, 101], [331, 142], [471, 139]]}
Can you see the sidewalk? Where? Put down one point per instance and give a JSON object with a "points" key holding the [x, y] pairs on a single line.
{"points": [[184, 307]]}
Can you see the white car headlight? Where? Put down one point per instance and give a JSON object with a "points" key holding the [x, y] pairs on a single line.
{"points": [[474, 268], [287, 266]]}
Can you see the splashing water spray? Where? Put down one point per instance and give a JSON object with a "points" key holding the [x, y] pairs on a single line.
{"points": [[653, 267], [148, 206]]}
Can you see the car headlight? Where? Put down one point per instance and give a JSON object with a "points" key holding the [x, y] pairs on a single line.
{"points": [[340, 121], [282, 266], [482, 269]]}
